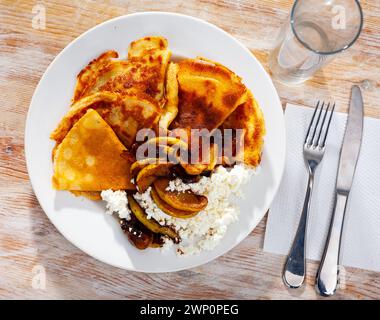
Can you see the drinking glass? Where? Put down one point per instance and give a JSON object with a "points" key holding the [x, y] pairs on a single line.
{"points": [[318, 30]]}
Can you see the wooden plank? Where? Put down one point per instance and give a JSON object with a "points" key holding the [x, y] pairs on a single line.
{"points": [[28, 239]]}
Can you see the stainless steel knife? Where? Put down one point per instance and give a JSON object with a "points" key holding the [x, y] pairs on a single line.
{"points": [[327, 276]]}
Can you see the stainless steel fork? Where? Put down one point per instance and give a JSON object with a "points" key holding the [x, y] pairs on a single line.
{"points": [[313, 151]]}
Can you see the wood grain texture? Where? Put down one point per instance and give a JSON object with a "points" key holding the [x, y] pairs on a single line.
{"points": [[28, 239]]}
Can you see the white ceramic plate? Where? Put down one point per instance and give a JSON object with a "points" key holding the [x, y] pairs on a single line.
{"points": [[82, 221]]}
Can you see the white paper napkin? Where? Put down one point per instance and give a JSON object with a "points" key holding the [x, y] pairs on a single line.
{"points": [[361, 232]]}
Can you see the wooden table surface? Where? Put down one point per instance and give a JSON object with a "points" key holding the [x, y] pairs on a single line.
{"points": [[29, 242]]}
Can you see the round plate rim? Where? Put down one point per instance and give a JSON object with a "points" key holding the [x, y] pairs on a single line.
{"points": [[28, 128]]}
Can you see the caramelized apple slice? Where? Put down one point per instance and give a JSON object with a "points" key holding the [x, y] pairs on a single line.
{"points": [[209, 163], [186, 201], [140, 236], [151, 224], [168, 141], [213, 159], [150, 173], [170, 210], [194, 168], [140, 164], [158, 241]]}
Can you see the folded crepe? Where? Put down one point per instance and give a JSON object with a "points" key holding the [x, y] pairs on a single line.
{"points": [[126, 114], [89, 158], [143, 72], [207, 94], [248, 117]]}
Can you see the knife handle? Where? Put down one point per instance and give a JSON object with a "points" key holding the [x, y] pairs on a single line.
{"points": [[328, 272]]}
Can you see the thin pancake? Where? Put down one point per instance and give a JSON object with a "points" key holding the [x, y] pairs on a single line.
{"points": [[89, 158], [248, 117], [125, 114], [92, 195], [88, 75], [170, 109], [144, 71], [208, 94]]}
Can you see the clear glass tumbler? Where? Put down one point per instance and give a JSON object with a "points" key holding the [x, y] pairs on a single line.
{"points": [[318, 30]]}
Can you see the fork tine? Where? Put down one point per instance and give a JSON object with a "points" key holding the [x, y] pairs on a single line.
{"points": [[328, 126], [311, 122], [317, 141], [316, 124]]}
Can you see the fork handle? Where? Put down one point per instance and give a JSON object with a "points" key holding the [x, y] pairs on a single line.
{"points": [[328, 272], [295, 266]]}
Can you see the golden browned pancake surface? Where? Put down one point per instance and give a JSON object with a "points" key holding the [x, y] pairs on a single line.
{"points": [[125, 114], [170, 109], [248, 117], [89, 158], [208, 94], [115, 98], [144, 71]]}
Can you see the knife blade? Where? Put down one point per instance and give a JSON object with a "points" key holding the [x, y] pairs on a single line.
{"points": [[351, 142], [328, 271]]}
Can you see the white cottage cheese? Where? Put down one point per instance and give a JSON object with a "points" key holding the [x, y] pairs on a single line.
{"points": [[116, 202], [208, 227], [203, 231]]}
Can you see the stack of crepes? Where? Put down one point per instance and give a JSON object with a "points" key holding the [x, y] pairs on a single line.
{"points": [[115, 98]]}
